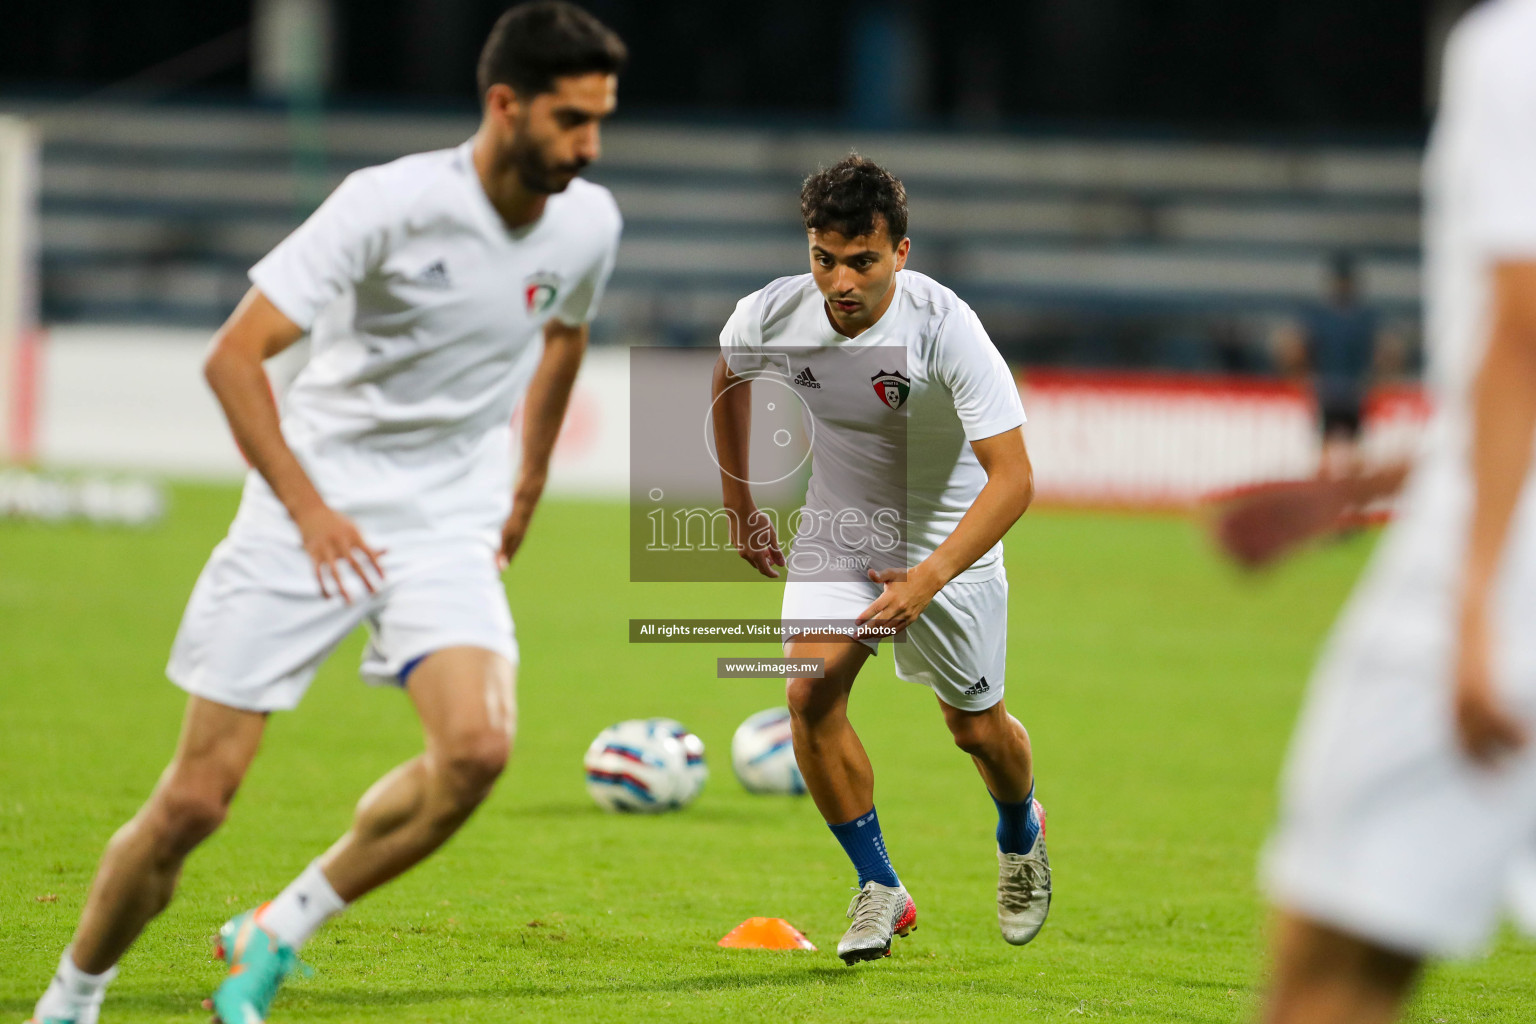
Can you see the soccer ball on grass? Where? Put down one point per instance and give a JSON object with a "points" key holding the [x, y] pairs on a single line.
{"points": [[642, 765], [764, 756]]}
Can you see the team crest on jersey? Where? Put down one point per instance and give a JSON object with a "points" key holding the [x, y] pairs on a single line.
{"points": [[892, 388], [540, 292]]}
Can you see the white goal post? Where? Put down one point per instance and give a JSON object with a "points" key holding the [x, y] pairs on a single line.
{"points": [[19, 168]]}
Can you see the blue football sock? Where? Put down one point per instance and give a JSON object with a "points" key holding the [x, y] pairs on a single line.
{"points": [[1017, 824], [865, 846]]}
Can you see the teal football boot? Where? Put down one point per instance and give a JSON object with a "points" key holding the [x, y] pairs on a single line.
{"points": [[258, 964]]}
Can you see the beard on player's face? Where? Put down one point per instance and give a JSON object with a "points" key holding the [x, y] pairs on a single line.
{"points": [[535, 169]]}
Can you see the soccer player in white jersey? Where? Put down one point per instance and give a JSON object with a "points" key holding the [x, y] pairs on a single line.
{"points": [[1408, 817], [916, 418], [438, 289]]}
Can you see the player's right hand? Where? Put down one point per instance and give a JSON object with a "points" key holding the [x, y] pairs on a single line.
{"points": [[1486, 729], [331, 538], [756, 542]]}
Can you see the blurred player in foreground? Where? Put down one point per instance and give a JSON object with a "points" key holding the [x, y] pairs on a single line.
{"points": [[439, 288], [1410, 797], [940, 442]]}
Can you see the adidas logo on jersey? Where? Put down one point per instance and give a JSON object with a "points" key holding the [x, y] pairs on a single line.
{"points": [[435, 276], [978, 687], [806, 379]]}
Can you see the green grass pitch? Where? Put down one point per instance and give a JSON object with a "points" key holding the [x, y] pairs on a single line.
{"points": [[1159, 688]]}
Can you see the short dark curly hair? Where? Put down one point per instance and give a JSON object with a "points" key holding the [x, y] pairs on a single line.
{"points": [[849, 196], [533, 44]]}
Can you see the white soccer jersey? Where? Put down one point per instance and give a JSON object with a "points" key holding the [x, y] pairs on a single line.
{"points": [[1480, 186], [1480, 209], [910, 391], [426, 315]]}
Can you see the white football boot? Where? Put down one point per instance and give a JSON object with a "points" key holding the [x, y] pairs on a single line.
{"points": [[1024, 889], [878, 912]]}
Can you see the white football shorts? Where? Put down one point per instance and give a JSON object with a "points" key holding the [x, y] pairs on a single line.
{"points": [[958, 647], [1387, 830], [256, 627]]}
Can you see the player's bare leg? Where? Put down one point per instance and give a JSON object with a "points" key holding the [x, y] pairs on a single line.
{"points": [[138, 872], [464, 698], [832, 760], [143, 860], [999, 746], [839, 777], [1323, 976]]}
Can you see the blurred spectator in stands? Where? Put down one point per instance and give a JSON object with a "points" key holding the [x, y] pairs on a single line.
{"points": [[1233, 348], [1340, 346]]}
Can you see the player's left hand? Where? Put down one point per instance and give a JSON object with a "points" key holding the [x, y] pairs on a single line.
{"points": [[512, 534], [907, 593], [1268, 522]]}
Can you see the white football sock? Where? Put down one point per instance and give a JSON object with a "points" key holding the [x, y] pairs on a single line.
{"points": [[72, 990], [300, 910]]}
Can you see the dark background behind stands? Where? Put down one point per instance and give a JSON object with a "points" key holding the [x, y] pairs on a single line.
{"points": [[1355, 65], [1278, 80]]}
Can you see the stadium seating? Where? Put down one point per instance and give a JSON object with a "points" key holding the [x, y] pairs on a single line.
{"points": [[153, 214]]}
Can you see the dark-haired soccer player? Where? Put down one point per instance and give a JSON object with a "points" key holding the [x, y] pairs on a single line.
{"points": [[916, 419], [438, 289]]}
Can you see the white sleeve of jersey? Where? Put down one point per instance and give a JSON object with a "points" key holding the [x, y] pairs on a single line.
{"points": [[986, 397], [326, 255], [741, 340], [580, 305], [1502, 192]]}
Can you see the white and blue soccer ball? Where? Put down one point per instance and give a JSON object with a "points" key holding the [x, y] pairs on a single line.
{"points": [[639, 766], [764, 755], [693, 747]]}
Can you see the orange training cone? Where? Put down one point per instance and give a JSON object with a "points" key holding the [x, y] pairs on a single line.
{"points": [[766, 933]]}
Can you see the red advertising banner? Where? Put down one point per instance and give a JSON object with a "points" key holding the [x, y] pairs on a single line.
{"points": [[1166, 440]]}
